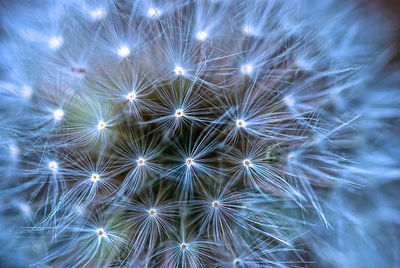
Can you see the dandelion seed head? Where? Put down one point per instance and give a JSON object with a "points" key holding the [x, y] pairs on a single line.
{"points": [[124, 51], [213, 123]]}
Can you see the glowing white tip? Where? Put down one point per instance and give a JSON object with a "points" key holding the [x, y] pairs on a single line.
{"points": [[97, 13], [58, 114], [152, 212], [131, 96], [101, 125], [179, 70], [55, 42], [95, 177], [215, 204], [141, 161], [241, 123], [14, 150], [53, 166], [101, 233], [289, 101], [290, 157], [26, 92], [246, 69], [179, 113], [189, 162], [25, 209], [247, 163], [153, 12], [124, 51], [202, 35], [249, 30]]}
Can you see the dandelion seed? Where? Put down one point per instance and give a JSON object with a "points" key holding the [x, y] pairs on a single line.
{"points": [[95, 177], [124, 51], [152, 212], [247, 163], [53, 166], [58, 114], [215, 204], [131, 96], [202, 35], [183, 246], [55, 42], [101, 233], [189, 162], [179, 113], [290, 157], [153, 12], [240, 123], [246, 69], [179, 70], [101, 125], [97, 13], [141, 161]]}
